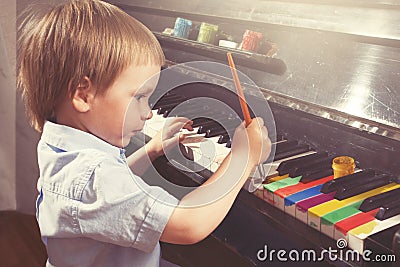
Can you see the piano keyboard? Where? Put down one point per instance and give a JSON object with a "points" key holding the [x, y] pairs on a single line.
{"points": [[299, 181], [350, 207]]}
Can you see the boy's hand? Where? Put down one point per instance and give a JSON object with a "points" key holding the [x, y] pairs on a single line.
{"points": [[167, 137], [253, 141]]}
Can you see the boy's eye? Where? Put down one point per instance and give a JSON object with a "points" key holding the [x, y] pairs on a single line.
{"points": [[138, 97]]}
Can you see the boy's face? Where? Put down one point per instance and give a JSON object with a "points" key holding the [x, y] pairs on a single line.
{"points": [[122, 109]]}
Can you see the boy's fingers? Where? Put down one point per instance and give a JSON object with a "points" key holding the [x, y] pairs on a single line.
{"points": [[188, 125], [182, 122], [259, 121], [265, 131], [174, 128], [174, 140]]}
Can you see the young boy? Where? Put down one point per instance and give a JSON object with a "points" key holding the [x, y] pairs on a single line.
{"points": [[83, 65]]}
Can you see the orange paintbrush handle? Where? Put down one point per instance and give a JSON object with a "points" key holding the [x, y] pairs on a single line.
{"points": [[242, 101]]}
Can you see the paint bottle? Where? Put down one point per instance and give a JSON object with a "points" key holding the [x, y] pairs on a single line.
{"points": [[207, 33], [182, 27], [251, 40], [343, 166]]}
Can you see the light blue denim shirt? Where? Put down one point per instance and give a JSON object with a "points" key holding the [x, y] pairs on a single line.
{"points": [[91, 209]]}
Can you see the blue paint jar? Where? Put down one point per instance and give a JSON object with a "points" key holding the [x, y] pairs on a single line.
{"points": [[182, 27]]}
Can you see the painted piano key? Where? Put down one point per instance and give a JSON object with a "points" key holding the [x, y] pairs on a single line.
{"points": [[265, 193], [345, 225], [303, 206], [282, 193], [315, 213], [290, 201], [329, 220], [272, 187]]}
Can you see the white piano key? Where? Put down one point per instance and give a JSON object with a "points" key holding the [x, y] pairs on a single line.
{"points": [[301, 215], [291, 210]]}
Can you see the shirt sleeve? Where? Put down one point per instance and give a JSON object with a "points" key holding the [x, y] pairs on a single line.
{"points": [[118, 207]]}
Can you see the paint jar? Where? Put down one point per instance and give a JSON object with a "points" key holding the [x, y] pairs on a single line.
{"points": [[182, 27], [251, 40], [343, 166], [207, 33]]}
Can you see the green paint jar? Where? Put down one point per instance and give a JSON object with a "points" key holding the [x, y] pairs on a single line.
{"points": [[207, 33]]}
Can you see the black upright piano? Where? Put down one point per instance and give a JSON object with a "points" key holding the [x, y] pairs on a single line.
{"points": [[330, 74]]}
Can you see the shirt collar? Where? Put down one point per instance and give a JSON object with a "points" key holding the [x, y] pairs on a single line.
{"points": [[70, 139]]}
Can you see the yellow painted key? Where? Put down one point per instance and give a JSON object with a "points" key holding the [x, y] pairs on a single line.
{"points": [[277, 178]]}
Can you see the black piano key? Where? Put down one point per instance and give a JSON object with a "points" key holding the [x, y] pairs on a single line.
{"points": [[220, 119], [167, 104], [215, 131], [199, 121], [164, 108], [388, 210], [315, 175], [168, 99], [205, 126], [295, 151], [362, 181], [286, 165], [211, 124], [226, 123], [223, 138], [315, 165], [355, 189], [187, 152], [211, 133], [379, 200], [195, 112], [285, 146], [334, 184], [218, 131], [191, 114], [229, 143], [365, 180], [166, 113], [164, 99]]}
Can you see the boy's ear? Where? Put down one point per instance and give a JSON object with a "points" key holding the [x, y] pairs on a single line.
{"points": [[83, 95]]}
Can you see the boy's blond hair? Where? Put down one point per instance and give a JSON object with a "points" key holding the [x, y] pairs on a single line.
{"points": [[76, 39]]}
